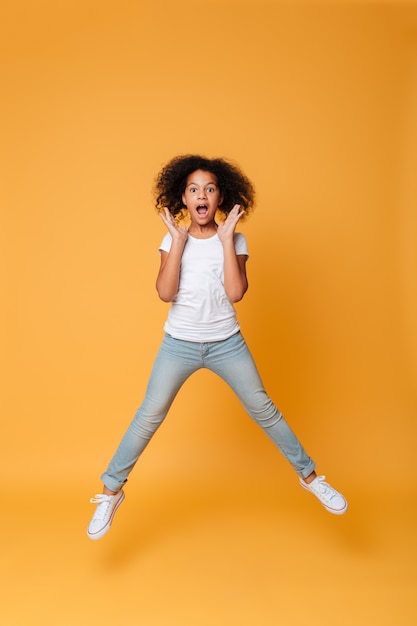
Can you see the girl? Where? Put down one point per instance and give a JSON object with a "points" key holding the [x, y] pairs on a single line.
{"points": [[202, 273]]}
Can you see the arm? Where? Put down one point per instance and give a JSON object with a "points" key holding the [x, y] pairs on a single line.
{"points": [[235, 279], [168, 279]]}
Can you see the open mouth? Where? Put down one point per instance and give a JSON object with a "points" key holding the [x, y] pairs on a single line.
{"points": [[202, 209]]}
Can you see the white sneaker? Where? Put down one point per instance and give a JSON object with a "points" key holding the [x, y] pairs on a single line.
{"points": [[331, 499], [104, 513]]}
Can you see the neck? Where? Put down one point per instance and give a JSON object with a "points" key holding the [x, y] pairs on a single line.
{"points": [[202, 231]]}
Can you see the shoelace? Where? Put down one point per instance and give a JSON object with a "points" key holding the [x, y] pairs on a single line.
{"points": [[104, 502], [324, 488]]}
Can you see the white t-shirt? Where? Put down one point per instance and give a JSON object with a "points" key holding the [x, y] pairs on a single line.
{"points": [[201, 310]]}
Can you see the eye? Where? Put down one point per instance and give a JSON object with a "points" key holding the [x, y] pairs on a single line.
{"points": [[211, 189]]}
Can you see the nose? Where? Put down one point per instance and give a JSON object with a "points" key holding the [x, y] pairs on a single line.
{"points": [[202, 194]]}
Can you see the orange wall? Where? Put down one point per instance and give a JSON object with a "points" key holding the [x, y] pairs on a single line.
{"points": [[317, 103]]}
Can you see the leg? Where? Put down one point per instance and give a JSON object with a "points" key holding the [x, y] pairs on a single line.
{"points": [[175, 362], [233, 362]]}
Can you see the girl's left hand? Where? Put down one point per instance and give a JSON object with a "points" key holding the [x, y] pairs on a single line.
{"points": [[226, 229]]}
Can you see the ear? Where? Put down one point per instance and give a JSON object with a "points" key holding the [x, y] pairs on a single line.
{"points": [[220, 201], [183, 200]]}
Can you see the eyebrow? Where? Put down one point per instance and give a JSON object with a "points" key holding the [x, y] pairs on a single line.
{"points": [[206, 185]]}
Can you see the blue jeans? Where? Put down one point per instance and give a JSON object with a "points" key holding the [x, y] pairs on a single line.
{"points": [[175, 362]]}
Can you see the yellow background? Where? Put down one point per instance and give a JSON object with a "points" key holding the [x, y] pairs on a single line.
{"points": [[318, 104]]}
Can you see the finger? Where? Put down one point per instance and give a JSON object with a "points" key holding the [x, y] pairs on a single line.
{"points": [[235, 214], [233, 211], [163, 218], [167, 218]]}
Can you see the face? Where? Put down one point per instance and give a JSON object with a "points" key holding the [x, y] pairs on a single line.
{"points": [[202, 197]]}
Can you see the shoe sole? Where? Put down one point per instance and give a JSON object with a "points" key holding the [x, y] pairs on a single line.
{"points": [[106, 528], [334, 511]]}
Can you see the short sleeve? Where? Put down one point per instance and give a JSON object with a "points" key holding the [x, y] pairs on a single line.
{"points": [[241, 245], [166, 243]]}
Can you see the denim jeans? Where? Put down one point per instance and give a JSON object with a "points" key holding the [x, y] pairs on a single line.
{"points": [[174, 363]]}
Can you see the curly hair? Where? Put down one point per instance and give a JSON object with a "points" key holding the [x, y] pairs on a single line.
{"points": [[171, 181]]}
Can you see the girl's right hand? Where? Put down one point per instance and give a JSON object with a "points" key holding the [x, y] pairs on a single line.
{"points": [[178, 233], [168, 280]]}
